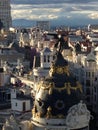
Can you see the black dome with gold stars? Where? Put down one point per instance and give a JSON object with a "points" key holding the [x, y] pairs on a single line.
{"points": [[58, 92]]}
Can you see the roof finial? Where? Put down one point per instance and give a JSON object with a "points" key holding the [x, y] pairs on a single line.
{"points": [[60, 43]]}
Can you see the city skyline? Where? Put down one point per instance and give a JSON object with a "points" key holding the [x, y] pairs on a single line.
{"points": [[63, 12]]}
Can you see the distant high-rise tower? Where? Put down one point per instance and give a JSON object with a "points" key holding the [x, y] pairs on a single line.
{"points": [[43, 25], [5, 14]]}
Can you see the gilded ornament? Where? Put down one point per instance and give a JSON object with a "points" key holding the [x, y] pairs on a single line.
{"points": [[59, 70], [60, 88], [47, 86], [52, 70], [38, 87], [51, 85], [66, 70], [34, 111], [50, 91], [38, 114], [60, 116], [79, 86], [49, 115], [68, 87]]}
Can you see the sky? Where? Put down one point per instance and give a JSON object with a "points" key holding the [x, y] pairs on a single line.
{"points": [[58, 12]]}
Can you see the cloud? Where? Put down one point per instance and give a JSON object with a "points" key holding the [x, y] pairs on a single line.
{"points": [[32, 12], [51, 1], [54, 9], [93, 15], [52, 16]]}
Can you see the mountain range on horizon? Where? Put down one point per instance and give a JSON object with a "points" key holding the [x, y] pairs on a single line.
{"points": [[53, 23], [69, 13]]}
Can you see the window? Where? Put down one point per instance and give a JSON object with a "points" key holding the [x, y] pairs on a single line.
{"points": [[9, 96], [95, 98], [88, 99], [48, 58], [87, 91], [87, 82], [95, 89], [87, 74], [16, 104], [92, 74], [95, 78], [24, 106], [44, 58]]}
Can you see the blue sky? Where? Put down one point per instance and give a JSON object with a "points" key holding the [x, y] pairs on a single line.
{"points": [[68, 12]]}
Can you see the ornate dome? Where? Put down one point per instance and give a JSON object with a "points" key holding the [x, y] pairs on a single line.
{"points": [[59, 91], [56, 95]]}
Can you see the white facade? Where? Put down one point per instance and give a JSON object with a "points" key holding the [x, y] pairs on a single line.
{"points": [[46, 58], [20, 105], [24, 39], [13, 93], [13, 80], [85, 69]]}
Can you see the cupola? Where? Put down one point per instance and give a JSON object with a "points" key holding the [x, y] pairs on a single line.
{"points": [[46, 58]]}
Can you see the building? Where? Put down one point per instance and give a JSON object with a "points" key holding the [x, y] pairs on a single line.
{"points": [[59, 102], [5, 74], [20, 99], [5, 98], [93, 27], [84, 66], [5, 13], [4, 89], [10, 54], [20, 105], [44, 59], [43, 25]]}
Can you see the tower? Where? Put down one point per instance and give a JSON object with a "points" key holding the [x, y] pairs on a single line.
{"points": [[5, 14], [45, 58], [43, 25]]}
